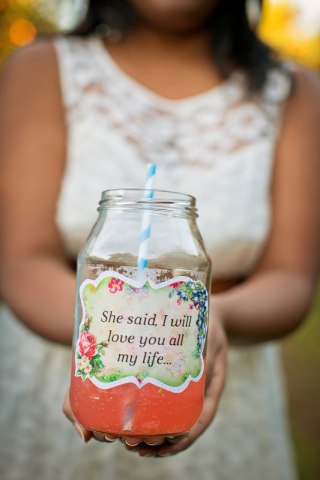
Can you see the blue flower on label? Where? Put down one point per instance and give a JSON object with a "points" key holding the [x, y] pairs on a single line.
{"points": [[182, 294], [204, 295], [194, 293]]}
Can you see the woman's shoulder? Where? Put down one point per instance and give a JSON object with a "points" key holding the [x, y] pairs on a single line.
{"points": [[286, 81], [305, 87], [302, 106], [30, 97], [40, 63], [31, 71], [31, 59]]}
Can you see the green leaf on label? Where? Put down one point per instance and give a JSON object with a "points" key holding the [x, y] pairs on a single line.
{"points": [[96, 356], [196, 353], [78, 356], [83, 376]]}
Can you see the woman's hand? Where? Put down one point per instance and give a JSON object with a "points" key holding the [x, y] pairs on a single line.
{"points": [[160, 446], [215, 378]]}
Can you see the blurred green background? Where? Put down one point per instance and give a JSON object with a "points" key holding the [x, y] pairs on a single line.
{"points": [[293, 28], [301, 355]]}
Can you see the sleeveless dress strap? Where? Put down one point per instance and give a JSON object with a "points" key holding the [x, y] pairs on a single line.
{"points": [[66, 60], [76, 68]]}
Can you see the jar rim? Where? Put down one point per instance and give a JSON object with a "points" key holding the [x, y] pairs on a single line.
{"points": [[159, 200]]}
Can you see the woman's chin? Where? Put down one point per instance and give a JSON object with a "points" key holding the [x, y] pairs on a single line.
{"points": [[175, 15]]}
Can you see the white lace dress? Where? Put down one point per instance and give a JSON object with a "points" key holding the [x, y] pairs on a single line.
{"points": [[217, 146]]}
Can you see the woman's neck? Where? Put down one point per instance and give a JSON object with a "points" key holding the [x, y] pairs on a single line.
{"points": [[180, 46], [174, 66]]}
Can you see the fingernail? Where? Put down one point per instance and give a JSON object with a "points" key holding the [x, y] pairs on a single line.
{"points": [[152, 444], [109, 439], [131, 444], [79, 431]]}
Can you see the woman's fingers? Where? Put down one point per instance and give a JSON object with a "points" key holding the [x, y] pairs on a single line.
{"points": [[132, 443], [154, 440], [213, 394], [110, 437]]}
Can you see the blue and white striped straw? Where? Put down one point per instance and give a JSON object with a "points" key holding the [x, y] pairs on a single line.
{"points": [[146, 223]]}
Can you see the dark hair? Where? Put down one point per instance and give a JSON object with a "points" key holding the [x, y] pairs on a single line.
{"points": [[234, 43]]}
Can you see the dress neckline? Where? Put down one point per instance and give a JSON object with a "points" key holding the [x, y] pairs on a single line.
{"points": [[108, 63]]}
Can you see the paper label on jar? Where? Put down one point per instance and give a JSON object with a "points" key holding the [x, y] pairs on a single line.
{"points": [[142, 332]]}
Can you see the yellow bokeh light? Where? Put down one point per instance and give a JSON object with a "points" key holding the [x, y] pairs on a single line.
{"points": [[22, 31], [23, 3], [280, 28]]}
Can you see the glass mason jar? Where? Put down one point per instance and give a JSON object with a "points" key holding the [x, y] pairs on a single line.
{"points": [[139, 349]]}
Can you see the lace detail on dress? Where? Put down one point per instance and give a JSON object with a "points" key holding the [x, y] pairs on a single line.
{"points": [[197, 129]]}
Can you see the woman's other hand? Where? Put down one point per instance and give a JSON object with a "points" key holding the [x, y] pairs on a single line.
{"points": [[215, 378]]}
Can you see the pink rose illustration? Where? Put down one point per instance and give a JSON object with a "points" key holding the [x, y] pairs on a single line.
{"points": [[115, 285], [87, 345]]}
